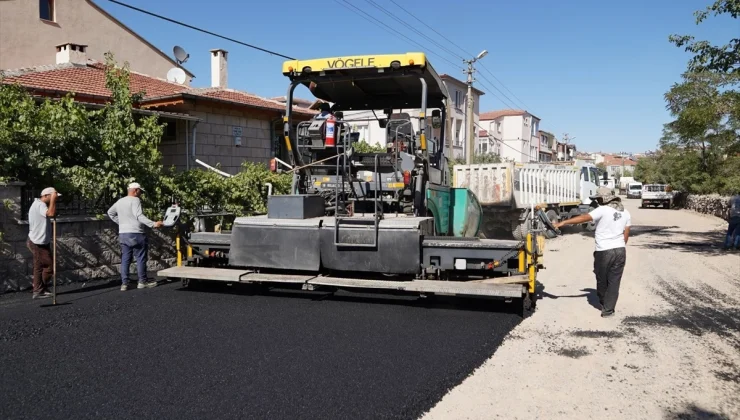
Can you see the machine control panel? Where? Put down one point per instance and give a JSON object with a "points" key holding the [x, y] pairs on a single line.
{"points": [[171, 216]]}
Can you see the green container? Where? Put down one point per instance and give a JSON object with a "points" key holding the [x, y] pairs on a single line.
{"points": [[466, 213]]}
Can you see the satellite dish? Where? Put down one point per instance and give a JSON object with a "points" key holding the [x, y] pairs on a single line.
{"points": [[176, 75], [180, 55]]}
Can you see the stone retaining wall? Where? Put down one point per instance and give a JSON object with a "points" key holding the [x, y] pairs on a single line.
{"points": [[715, 205], [87, 248]]}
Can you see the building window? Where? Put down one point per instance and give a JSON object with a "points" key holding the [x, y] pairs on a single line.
{"points": [[498, 127], [458, 99], [458, 128], [46, 10]]}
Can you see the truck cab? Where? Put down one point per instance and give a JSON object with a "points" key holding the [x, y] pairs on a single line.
{"points": [[634, 190], [590, 181]]}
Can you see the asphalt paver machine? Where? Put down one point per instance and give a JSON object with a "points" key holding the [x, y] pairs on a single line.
{"points": [[385, 221]]}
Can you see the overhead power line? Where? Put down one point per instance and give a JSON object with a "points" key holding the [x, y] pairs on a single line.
{"points": [[433, 30], [199, 29], [467, 54], [367, 15], [504, 86], [384, 10]]}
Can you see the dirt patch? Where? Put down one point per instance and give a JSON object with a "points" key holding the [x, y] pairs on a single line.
{"points": [[597, 334], [573, 353]]}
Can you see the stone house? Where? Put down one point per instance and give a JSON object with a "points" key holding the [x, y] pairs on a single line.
{"points": [[216, 125]]}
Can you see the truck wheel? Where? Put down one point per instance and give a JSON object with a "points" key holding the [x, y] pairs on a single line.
{"points": [[521, 229]]}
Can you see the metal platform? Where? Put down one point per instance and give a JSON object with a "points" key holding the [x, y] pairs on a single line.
{"points": [[453, 288], [210, 239]]}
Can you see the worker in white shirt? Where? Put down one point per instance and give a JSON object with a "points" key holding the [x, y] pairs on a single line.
{"points": [[39, 240], [612, 233]]}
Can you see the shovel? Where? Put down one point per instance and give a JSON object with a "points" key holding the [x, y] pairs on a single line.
{"points": [[54, 258]]}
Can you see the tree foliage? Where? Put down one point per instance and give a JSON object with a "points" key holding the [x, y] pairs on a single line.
{"points": [[478, 158], [94, 153], [364, 147], [708, 57], [700, 149]]}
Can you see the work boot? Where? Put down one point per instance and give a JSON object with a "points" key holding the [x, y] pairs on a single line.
{"points": [[607, 314], [147, 284]]}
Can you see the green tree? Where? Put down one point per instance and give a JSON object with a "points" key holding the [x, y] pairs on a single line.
{"points": [[364, 147], [124, 148], [700, 149], [478, 158], [708, 57]]}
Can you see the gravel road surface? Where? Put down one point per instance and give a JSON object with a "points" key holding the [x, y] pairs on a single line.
{"points": [[671, 351], [169, 353]]}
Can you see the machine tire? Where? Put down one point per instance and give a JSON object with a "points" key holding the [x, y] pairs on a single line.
{"points": [[525, 305], [520, 231], [552, 216]]}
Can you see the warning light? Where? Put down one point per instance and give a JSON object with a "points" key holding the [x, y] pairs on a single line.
{"points": [[406, 177]]}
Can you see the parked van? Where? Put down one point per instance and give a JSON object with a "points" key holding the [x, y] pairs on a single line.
{"points": [[634, 190]]}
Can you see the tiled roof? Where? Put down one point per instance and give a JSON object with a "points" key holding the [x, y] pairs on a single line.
{"points": [[89, 80], [243, 98], [86, 80], [492, 115], [610, 160], [482, 133]]}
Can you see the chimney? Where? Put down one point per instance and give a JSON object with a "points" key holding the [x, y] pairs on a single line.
{"points": [[72, 53], [218, 68]]}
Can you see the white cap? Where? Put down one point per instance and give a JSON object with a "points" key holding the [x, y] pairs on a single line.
{"points": [[135, 185], [49, 191]]}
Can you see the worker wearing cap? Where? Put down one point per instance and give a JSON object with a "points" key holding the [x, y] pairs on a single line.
{"points": [[612, 233], [127, 213], [39, 240]]}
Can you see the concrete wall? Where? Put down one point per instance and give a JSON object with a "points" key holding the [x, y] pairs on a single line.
{"points": [[87, 249], [215, 140], [26, 40]]}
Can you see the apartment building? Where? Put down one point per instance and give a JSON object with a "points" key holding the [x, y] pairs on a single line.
{"points": [[516, 130]]}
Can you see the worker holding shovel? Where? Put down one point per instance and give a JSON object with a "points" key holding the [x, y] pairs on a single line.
{"points": [[39, 240]]}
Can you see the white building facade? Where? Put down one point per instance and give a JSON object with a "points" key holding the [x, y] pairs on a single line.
{"points": [[366, 124], [516, 131]]}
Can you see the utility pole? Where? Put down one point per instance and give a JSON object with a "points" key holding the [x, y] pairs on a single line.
{"points": [[470, 147]]}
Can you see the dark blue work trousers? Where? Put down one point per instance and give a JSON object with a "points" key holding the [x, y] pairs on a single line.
{"points": [[136, 244]]}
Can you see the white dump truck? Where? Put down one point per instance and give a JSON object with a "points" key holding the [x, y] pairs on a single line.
{"points": [[508, 193]]}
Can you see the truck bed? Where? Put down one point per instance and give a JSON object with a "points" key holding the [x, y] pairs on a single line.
{"points": [[519, 185]]}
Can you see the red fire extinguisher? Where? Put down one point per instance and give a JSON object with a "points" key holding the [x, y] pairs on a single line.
{"points": [[330, 125]]}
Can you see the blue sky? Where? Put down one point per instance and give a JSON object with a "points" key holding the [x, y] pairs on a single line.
{"points": [[594, 69]]}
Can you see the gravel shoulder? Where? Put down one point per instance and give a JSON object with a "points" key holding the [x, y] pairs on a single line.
{"points": [[671, 351]]}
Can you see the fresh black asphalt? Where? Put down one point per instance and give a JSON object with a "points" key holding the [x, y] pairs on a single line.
{"points": [[228, 352]]}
